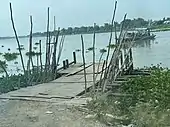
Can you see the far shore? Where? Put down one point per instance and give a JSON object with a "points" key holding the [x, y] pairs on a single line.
{"points": [[153, 30]]}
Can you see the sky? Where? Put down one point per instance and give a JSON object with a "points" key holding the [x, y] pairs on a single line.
{"points": [[75, 13]]}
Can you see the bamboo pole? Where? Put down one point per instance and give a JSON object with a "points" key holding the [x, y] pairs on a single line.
{"points": [[94, 42], [15, 32], [54, 25], [115, 65], [100, 59], [111, 34], [115, 33], [49, 50], [47, 40], [111, 66], [60, 48], [59, 53], [37, 62], [120, 70], [54, 62], [84, 63], [30, 47], [110, 40], [101, 76], [40, 51], [4, 69]]}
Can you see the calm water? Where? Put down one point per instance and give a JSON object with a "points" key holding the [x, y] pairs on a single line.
{"points": [[145, 53]]}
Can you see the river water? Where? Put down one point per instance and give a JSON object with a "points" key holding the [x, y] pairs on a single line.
{"points": [[144, 53]]}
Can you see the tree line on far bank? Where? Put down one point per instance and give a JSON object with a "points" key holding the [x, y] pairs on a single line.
{"points": [[130, 23]]}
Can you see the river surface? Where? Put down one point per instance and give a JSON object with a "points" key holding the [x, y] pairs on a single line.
{"points": [[144, 53]]}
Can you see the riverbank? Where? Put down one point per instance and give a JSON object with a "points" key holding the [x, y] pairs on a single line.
{"points": [[44, 35], [142, 101]]}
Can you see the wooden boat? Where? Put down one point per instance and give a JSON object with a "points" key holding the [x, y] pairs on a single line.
{"points": [[139, 35]]}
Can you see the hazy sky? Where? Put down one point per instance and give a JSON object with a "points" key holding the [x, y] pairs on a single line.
{"points": [[75, 12]]}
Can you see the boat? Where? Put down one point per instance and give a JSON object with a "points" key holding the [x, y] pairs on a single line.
{"points": [[139, 35]]}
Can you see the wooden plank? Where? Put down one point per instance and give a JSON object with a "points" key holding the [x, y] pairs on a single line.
{"points": [[43, 97], [78, 70], [71, 81]]}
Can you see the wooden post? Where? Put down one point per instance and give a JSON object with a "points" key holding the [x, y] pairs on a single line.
{"points": [[47, 41], [94, 66], [101, 76], [40, 51], [17, 39], [121, 59], [67, 63], [64, 64], [131, 60], [84, 64], [74, 58], [130, 53]]}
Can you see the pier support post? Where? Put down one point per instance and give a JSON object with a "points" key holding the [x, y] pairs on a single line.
{"points": [[74, 57], [131, 57], [64, 64], [67, 63]]}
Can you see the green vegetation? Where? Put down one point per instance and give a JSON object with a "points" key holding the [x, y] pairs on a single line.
{"points": [[3, 66], [90, 49], [112, 46], [32, 53], [37, 43], [148, 103], [21, 48], [103, 50], [15, 62], [77, 50], [130, 23], [10, 56], [15, 82], [34, 48]]}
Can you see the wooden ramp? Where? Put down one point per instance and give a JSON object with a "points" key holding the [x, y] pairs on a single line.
{"points": [[66, 87]]}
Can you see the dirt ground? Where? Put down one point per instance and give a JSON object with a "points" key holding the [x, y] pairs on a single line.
{"points": [[42, 114]]}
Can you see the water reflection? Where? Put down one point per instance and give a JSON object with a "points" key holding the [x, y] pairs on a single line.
{"points": [[144, 44]]}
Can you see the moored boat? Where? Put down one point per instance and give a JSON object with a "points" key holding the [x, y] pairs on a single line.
{"points": [[139, 35]]}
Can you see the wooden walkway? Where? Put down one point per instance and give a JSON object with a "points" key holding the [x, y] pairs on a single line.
{"points": [[66, 87]]}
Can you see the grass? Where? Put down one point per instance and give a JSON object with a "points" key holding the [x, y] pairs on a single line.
{"points": [[149, 105], [10, 56]]}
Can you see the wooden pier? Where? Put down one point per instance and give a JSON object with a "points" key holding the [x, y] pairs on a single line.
{"points": [[67, 86]]}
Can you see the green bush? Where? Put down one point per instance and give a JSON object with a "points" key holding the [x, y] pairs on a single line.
{"points": [[154, 89], [33, 53], [3, 66], [149, 105], [10, 56]]}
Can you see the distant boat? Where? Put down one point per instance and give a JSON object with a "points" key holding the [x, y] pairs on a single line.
{"points": [[139, 35]]}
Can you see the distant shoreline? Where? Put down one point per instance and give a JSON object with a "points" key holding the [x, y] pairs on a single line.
{"points": [[153, 30]]}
